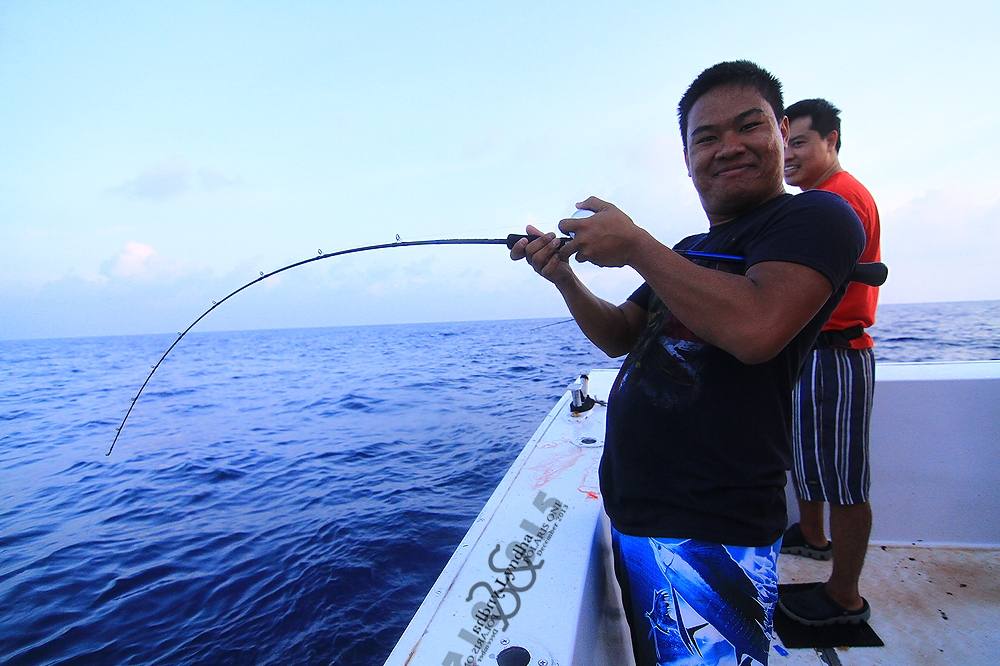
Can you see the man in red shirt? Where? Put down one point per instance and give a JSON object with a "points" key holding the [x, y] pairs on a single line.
{"points": [[832, 401]]}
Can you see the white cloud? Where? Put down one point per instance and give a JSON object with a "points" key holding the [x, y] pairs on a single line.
{"points": [[139, 261], [134, 260], [210, 180], [167, 180], [172, 179]]}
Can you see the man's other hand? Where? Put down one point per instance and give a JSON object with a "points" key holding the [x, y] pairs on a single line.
{"points": [[543, 255]]}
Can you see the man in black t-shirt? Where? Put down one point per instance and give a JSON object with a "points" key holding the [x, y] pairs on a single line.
{"points": [[698, 424]]}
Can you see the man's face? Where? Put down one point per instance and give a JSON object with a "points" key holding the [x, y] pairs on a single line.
{"points": [[808, 156], [734, 151]]}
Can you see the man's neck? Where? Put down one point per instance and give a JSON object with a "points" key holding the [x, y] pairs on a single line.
{"points": [[833, 170], [717, 219]]}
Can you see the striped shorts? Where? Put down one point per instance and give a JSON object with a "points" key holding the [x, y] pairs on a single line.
{"points": [[831, 418]]}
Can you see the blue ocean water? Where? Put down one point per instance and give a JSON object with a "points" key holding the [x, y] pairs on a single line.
{"points": [[282, 496]]}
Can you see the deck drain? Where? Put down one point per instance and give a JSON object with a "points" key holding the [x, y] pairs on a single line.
{"points": [[588, 440], [514, 656]]}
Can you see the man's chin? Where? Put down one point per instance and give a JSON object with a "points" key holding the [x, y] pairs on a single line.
{"points": [[796, 178]]}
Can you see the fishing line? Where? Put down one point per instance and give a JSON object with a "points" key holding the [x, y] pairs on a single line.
{"points": [[555, 323], [873, 274]]}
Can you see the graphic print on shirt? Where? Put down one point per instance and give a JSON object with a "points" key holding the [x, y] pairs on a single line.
{"points": [[668, 349]]}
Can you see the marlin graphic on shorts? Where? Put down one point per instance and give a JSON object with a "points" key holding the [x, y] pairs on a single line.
{"points": [[712, 583]]}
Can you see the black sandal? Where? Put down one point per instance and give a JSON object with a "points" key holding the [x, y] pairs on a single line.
{"points": [[793, 543], [815, 608]]}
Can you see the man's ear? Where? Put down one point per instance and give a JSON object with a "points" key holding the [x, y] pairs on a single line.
{"points": [[831, 140], [783, 128], [686, 163]]}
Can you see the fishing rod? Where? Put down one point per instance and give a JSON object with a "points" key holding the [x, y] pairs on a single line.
{"points": [[870, 273], [509, 242]]}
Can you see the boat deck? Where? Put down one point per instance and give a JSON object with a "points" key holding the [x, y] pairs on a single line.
{"points": [[533, 574], [929, 606]]}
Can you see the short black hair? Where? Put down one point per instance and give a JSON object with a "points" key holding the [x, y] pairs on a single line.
{"points": [[825, 116], [736, 72]]}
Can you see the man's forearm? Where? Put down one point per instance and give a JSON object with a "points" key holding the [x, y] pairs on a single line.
{"points": [[746, 315], [602, 322]]}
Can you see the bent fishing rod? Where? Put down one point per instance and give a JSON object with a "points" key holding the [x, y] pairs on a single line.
{"points": [[871, 274], [319, 257]]}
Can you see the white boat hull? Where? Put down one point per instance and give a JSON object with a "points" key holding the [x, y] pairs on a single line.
{"points": [[534, 570]]}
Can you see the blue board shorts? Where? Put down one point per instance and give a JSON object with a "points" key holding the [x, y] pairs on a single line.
{"points": [[696, 602], [831, 419]]}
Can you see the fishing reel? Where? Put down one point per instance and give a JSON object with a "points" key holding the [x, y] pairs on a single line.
{"points": [[581, 401]]}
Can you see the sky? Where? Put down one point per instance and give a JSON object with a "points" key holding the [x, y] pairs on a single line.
{"points": [[155, 156]]}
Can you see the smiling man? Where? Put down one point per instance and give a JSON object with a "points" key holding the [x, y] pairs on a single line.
{"points": [[698, 421], [833, 400]]}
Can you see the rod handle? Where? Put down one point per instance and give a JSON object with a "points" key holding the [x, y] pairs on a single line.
{"points": [[872, 274], [513, 238]]}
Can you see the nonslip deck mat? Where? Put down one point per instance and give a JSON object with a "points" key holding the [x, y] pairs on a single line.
{"points": [[795, 635]]}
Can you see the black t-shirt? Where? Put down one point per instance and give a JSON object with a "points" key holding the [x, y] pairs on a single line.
{"points": [[697, 442]]}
